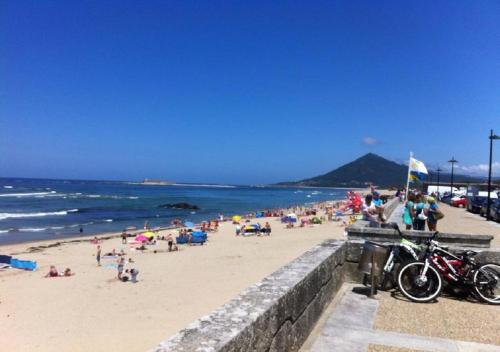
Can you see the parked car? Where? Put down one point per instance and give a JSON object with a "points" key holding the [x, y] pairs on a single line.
{"points": [[484, 206], [475, 203], [495, 210], [460, 202], [446, 198]]}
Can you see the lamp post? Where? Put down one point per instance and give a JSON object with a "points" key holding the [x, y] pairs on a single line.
{"points": [[452, 161], [491, 137], [438, 171]]}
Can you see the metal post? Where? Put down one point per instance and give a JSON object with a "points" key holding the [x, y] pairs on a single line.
{"points": [[452, 161], [438, 171], [491, 137]]}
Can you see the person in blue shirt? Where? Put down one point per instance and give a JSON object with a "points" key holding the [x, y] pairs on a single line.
{"points": [[431, 214]]}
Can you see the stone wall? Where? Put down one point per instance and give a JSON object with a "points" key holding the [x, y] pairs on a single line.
{"points": [[276, 314], [359, 230], [390, 206]]}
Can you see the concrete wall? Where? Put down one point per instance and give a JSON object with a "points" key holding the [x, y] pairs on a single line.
{"points": [[276, 314], [359, 230]]}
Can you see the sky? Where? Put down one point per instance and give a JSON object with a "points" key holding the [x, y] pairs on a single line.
{"points": [[244, 92]]}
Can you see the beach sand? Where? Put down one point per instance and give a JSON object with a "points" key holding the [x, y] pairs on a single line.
{"points": [[93, 311]]}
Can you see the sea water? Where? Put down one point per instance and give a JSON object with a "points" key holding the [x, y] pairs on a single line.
{"points": [[36, 209]]}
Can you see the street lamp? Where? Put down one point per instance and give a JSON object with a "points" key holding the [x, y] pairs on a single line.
{"points": [[491, 137], [452, 161], [438, 171]]}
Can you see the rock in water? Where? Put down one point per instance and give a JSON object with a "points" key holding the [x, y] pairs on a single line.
{"points": [[180, 206]]}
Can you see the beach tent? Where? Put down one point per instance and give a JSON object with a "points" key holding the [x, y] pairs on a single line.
{"points": [[23, 264], [189, 224], [236, 218], [198, 237], [316, 220]]}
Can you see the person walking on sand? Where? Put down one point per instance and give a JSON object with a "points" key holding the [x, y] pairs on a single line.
{"points": [[98, 256]]}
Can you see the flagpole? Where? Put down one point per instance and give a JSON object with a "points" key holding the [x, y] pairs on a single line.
{"points": [[408, 177]]}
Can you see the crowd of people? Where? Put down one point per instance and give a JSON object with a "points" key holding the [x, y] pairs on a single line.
{"points": [[420, 210]]}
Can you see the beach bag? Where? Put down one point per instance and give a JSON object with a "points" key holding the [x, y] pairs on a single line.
{"points": [[421, 214], [438, 215]]}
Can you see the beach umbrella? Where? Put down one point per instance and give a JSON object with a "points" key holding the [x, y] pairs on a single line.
{"points": [[189, 224], [236, 218], [149, 234], [141, 238]]}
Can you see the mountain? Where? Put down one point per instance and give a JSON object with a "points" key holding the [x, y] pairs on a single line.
{"points": [[370, 168]]}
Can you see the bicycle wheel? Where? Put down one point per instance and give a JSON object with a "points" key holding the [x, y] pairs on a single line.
{"points": [[486, 283], [416, 287]]}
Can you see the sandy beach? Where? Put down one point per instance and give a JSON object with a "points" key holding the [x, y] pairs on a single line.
{"points": [[93, 311]]}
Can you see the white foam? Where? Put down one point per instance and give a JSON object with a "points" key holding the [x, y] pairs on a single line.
{"points": [[4, 231], [7, 187], [108, 220], [32, 215], [33, 229], [33, 194]]}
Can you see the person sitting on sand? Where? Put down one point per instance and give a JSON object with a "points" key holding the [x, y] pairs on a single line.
{"points": [[68, 272], [52, 272], [133, 274]]}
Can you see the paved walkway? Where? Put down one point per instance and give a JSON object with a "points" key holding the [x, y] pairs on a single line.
{"points": [[349, 328]]}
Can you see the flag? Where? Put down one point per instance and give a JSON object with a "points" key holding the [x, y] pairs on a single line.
{"points": [[417, 168]]}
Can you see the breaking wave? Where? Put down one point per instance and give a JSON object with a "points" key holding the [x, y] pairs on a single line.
{"points": [[33, 215]]}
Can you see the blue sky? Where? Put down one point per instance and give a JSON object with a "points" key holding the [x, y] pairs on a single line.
{"points": [[244, 92]]}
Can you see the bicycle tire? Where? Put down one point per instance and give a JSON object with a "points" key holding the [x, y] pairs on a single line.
{"points": [[490, 271], [434, 282]]}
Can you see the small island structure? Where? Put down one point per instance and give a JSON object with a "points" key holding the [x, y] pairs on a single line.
{"points": [[155, 182]]}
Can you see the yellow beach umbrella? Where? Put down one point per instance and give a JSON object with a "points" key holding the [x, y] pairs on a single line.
{"points": [[149, 234], [236, 218]]}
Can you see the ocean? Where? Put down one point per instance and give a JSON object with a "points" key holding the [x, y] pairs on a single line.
{"points": [[38, 209]]}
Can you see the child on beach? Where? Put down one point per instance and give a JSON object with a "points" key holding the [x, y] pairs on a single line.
{"points": [[120, 267]]}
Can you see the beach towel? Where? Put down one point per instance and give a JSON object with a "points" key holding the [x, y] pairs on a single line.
{"points": [[23, 264], [5, 259], [4, 267], [109, 257]]}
